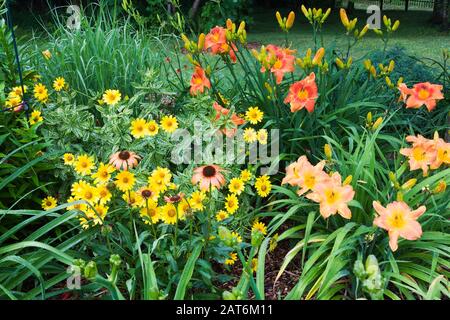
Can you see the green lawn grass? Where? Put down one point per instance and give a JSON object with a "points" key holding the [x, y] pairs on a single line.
{"points": [[415, 33]]}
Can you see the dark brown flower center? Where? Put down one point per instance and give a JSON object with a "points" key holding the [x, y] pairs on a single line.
{"points": [[209, 171], [175, 198], [146, 193], [124, 155]]}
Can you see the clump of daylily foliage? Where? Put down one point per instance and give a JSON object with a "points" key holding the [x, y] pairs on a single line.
{"points": [[347, 188]]}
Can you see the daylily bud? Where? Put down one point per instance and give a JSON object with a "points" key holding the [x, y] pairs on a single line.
{"points": [[389, 82], [377, 123], [339, 63], [318, 56], [369, 117], [399, 81], [391, 65], [328, 151], [279, 19], [385, 21], [409, 184], [378, 32], [349, 62], [325, 16], [363, 31], [201, 41], [229, 24], [396, 25], [440, 187], [241, 27], [367, 64], [399, 196], [392, 177], [347, 180], [290, 20], [373, 71], [344, 18], [305, 11]]}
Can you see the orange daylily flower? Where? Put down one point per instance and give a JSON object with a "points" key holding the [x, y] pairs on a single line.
{"points": [[333, 197], [303, 94], [442, 152], [281, 61], [421, 154], [216, 42], [426, 94], [404, 92], [235, 120], [398, 219], [304, 175], [199, 81]]}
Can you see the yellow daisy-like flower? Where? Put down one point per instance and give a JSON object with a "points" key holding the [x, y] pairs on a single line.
{"points": [[196, 200], [40, 92], [250, 135], [169, 213], [254, 115], [84, 164], [133, 199], [125, 181], [77, 187], [79, 206], [259, 227], [139, 128], [236, 237], [162, 175], [152, 128], [156, 185], [59, 84], [69, 159], [222, 215], [231, 203], [18, 90], [104, 194], [246, 175], [184, 208], [88, 193], [99, 213], [103, 173], [151, 213], [263, 186], [48, 203], [111, 97], [236, 186], [254, 264], [232, 259], [35, 117], [262, 136], [169, 123]]}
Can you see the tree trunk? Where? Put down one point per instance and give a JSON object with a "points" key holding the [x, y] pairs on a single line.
{"points": [[445, 4], [194, 9]]}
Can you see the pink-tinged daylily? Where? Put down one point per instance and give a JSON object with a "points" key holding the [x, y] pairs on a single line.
{"points": [[422, 153], [281, 61], [303, 94], [426, 94], [399, 220]]}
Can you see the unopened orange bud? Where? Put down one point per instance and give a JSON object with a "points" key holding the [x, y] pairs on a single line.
{"points": [[344, 18], [318, 56], [290, 20]]}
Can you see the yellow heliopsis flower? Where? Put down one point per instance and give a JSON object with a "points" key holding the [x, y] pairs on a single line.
{"points": [[236, 237], [232, 259], [184, 208], [99, 213], [246, 175], [18, 90], [254, 115], [77, 187], [262, 136], [133, 199], [35, 117], [69, 159], [139, 128], [169, 213], [231, 203], [222, 215], [111, 97], [103, 173], [40, 92], [125, 181], [152, 128], [157, 185], [259, 227], [88, 193], [48, 203], [162, 174], [263, 186], [79, 206], [84, 164], [150, 213], [250, 135], [169, 123], [59, 84], [104, 194], [196, 200], [236, 186]]}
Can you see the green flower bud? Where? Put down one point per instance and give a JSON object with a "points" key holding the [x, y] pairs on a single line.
{"points": [[90, 271]]}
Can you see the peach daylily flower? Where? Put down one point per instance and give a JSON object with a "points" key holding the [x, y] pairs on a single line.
{"points": [[199, 81], [421, 154], [304, 175], [442, 152], [333, 197], [404, 92], [124, 160], [426, 94], [398, 219], [303, 94], [209, 176]]}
